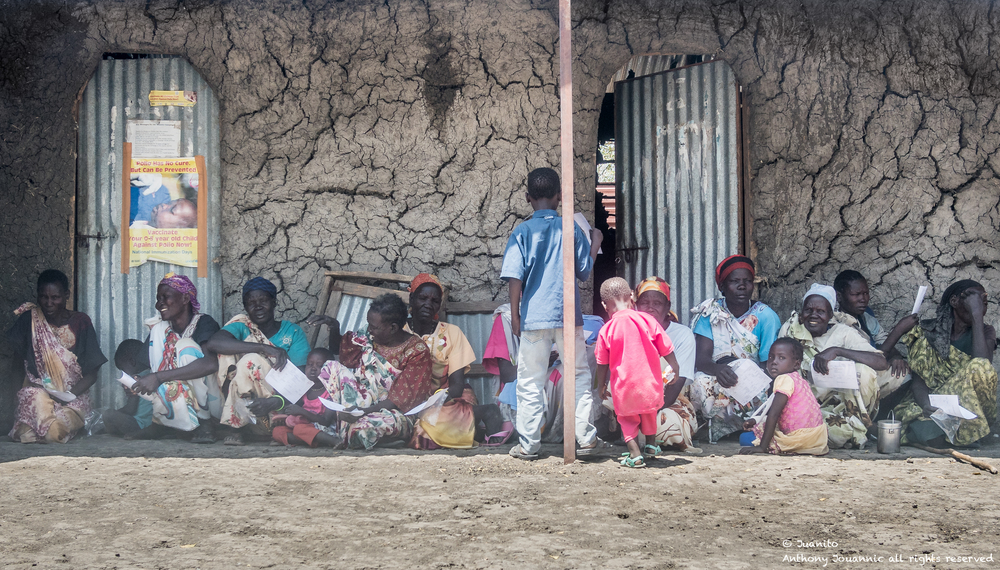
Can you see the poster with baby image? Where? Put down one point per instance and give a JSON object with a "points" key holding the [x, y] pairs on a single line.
{"points": [[162, 207]]}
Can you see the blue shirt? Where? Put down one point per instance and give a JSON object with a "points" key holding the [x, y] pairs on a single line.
{"points": [[534, 256], [766, 329], [144, 413], [289, 337]]}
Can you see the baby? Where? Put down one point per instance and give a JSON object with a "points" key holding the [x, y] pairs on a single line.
{"points": [[308, 423]]}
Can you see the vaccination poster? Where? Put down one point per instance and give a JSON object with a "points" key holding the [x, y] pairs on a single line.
{"points": [[162, 207]]}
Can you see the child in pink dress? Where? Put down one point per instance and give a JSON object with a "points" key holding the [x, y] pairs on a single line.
{"points": [[629, 347], [794, 421]]}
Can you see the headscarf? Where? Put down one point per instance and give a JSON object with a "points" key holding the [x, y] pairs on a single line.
{"points": [[260, 284], [423, 279], [653, 283], [730, 264], [824, 291], [939, 333], [657, 284], [182, 284]]}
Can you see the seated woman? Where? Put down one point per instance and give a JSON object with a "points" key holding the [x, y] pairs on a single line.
{"points": [[676, 423], [246, 346], [455, 427], [853, 296], [952, 356], [721, 336], [383, 372], [61, 357], [847, 413], [182, 381]]}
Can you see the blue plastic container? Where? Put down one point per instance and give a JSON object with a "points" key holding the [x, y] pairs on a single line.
{"points": [[746, 439]]}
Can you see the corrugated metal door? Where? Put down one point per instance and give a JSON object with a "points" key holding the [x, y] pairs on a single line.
{"points": [[678, 195], [116, 302]]}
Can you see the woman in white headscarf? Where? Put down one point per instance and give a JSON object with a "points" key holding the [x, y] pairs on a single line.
{"points": [[847, 413]]}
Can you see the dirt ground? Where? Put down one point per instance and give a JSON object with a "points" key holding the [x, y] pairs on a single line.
{"points": [[100, 502]]}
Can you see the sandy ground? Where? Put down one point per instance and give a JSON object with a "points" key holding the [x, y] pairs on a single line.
{"points": [[100, 502]]}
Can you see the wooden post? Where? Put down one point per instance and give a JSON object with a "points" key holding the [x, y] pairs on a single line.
{"points": [[202, 216], [569, 264], [126, 238]]}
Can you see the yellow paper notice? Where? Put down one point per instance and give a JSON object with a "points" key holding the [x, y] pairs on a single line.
{"points": [[173, 98]]}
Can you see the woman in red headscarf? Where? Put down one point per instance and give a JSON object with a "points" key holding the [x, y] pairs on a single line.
{"points": [[727, 328], [454, 424]]}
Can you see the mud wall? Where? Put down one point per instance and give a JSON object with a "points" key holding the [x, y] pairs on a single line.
{"points": [[396, 137]]}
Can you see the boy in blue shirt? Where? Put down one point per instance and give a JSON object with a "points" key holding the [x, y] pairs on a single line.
{"points": [[532, 268]]}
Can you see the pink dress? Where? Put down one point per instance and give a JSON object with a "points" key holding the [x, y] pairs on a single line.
{"points": [[631, 344], [800, 428]]}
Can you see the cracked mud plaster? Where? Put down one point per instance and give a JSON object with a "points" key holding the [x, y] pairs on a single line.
{"points": [[397, 136]]}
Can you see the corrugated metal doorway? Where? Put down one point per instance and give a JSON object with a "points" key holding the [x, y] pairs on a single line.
{"points": [[118, 303], [679, 192]]}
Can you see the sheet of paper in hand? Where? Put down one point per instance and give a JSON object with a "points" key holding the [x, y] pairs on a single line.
{"points": [[290, 382], [330, 404], [948, 404], [752, 381], [127, 381], [921, 291], [64, 397], [585, 226], [436, 399], [843, 375], [761, 413]]}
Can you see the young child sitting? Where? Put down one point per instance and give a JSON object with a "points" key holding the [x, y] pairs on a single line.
{"points": [[308, 423], [630, 346], [794, 421], [132, 358]]}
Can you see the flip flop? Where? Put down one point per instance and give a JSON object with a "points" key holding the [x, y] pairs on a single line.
{"points": [[634, 463], [203, 434], [519, 453], [500, 437], [233, 439], [598, 445]]}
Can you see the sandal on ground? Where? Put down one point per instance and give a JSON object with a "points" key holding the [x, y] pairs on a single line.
{"points": [[598, 445], [203, 434], [500, 437], [634, 463], [233, 439], [650, 451], [518, 452]]}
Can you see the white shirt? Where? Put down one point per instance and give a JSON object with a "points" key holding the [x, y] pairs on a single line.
{"points": [[684, 348]]}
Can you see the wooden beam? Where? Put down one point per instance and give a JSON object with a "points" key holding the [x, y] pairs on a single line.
{"points": [[486, 307], [370, 292], [371, 275], [569, 273], [324, 298], [126, 238], [203, 191]]}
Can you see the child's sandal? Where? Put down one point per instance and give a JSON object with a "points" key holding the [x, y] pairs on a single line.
{"points": [[634, 463], [650, 451]]}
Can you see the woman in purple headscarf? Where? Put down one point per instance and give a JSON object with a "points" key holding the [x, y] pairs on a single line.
{"points": [[181, 385], [248, 346]]}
